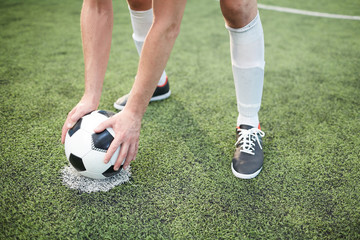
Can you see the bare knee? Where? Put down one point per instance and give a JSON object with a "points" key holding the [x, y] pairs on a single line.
{"points": [[167, 20], [238, 13], [140, 5], [168, 29], [101, 6], [173, 30]]}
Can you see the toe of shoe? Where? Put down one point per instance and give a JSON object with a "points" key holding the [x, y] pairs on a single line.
{"points": [[242, 175], [246, 166], [121, 102]]}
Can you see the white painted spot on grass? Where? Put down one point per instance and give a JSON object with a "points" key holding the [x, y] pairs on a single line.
{"points": [[74, 180]]}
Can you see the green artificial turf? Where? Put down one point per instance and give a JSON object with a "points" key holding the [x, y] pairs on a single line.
{"points": [[182, 186]]}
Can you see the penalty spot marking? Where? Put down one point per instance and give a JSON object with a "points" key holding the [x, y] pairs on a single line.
{"points": [[72, 179], [308, 13]]}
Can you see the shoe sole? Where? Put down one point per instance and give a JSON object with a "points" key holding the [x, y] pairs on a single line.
{"points": [[244, 176], [153, 99]]}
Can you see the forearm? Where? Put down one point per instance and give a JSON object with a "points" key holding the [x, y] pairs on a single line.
{"points": [[155, 53], [152, 63], [96, 32]]}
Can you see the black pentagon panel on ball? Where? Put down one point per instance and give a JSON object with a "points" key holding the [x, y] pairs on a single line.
{"points": [[106, 113], [102, 140], [77, 162], [111, 172], [75, 127]]}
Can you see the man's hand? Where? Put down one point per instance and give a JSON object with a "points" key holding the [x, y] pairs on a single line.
{"points": [[127, 131], [82, 108]]}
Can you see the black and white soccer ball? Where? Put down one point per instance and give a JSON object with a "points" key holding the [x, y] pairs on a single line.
{"points": [[86, 149]]}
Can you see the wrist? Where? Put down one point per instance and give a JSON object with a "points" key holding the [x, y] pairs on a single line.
{"points": [[136, 111], [91, 100], [133, 117], [137, 103]]}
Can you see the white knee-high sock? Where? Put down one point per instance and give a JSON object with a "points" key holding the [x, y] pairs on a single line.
{"points": [[141, 22], [247, 57]]}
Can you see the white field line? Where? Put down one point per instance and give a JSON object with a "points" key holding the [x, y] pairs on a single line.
{"points": [[308, 13], [304, 12]]}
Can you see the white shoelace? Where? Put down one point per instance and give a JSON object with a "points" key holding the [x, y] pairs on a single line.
{"points": [[247, 139]]}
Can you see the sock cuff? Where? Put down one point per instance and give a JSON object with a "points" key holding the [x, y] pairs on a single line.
{"points": [[141, 22], [251, 121], [140, 14], [249, 26]]}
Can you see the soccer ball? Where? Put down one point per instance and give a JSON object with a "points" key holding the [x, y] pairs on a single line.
{"points": [[86, 149]]}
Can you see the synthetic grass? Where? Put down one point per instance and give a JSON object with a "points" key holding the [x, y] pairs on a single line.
{"points": [[182, 186]]}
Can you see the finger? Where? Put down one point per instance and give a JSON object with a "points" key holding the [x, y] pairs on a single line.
{"points": [[130, 158], [102, 126], [112, 149], [122, 155], [136, 148], [63, 133], [131, 155], [73, 118], [65, 127], [71, 112]]}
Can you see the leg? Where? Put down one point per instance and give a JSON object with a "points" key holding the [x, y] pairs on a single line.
{"points": [[155, 53], [237, 13], [247, 57], [140, 5], [141, 14]]}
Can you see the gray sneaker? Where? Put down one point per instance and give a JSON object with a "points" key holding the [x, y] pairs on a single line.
{"points": [[161, 92], [249, 156]]}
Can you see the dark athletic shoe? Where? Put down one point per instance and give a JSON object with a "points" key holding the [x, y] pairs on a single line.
{"points": [[161, 92], [249, 157]]}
